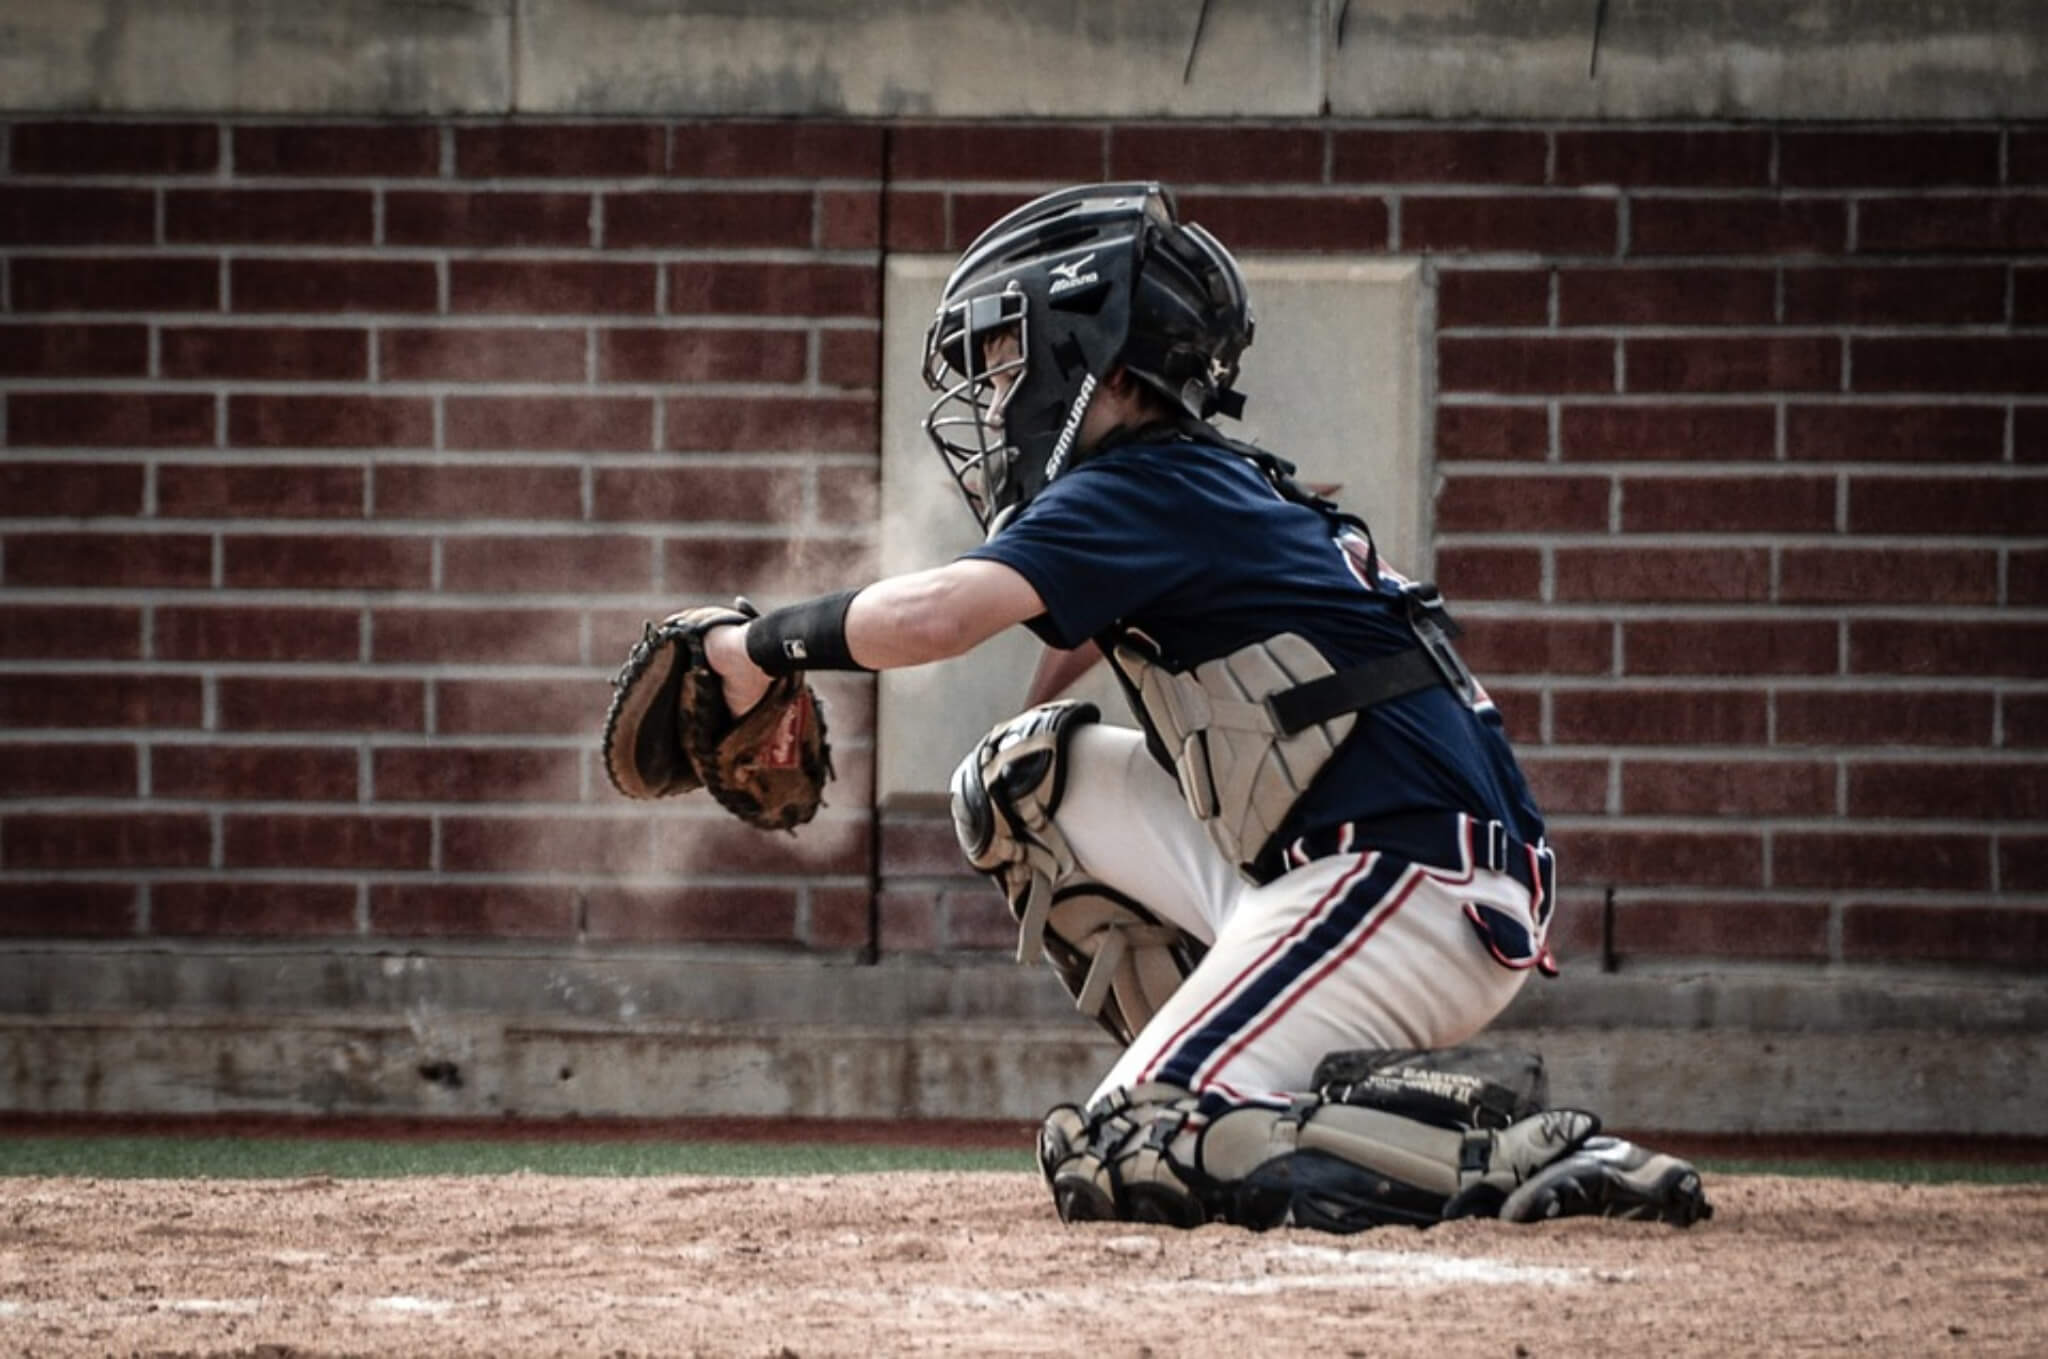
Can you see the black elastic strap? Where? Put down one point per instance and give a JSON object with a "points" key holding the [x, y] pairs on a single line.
{"points": [[1360, 687], [806, 636]]}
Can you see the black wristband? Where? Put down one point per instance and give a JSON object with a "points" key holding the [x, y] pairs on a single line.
{"points": [[806, 636]]}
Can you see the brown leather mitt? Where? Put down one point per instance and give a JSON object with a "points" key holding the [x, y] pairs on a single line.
{"points": [[669, 730]]}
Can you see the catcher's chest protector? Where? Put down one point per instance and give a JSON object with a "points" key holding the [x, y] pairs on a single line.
{"points": [[1239, 771]]}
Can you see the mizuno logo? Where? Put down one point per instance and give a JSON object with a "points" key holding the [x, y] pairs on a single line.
{"points": [[1069, 275]]}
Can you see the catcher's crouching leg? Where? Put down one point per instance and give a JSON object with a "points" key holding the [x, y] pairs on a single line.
{"points": [[1117, 959]]}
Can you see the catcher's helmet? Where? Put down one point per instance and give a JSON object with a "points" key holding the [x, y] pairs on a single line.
{"points": [[1080, 280]]}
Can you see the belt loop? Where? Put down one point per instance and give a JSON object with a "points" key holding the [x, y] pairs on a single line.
{"points": [[1496, 846]]}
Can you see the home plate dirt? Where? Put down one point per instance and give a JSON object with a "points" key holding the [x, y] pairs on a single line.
{"points": [[976, 1264]]}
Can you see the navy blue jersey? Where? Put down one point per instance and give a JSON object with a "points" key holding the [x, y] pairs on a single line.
{"points": [[1189, 544]]}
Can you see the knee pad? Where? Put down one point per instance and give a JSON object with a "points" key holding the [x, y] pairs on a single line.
{"points": [[1116, 1161], [1117, 959]]}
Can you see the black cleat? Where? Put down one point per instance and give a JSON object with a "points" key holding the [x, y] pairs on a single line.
{"points": [[1608, 1177]]}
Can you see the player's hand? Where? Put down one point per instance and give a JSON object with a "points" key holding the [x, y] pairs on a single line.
{"points": [[744, 682]]}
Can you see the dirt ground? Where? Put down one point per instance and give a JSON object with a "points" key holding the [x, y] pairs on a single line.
{"points": [[977, 1264]]}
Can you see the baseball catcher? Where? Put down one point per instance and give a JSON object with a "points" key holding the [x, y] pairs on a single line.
{"points": [[1311, 868]]}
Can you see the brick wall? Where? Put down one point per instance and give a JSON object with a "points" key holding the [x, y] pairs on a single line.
{"points": [[342, 462]]}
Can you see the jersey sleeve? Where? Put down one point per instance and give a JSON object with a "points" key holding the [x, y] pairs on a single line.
{"points": [[1099, 545]]}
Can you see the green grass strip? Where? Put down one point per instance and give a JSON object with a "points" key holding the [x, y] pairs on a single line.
{"points": [[1895, 1172]]}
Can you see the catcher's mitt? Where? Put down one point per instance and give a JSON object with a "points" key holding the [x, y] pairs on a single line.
{"points": [[670, 732]]}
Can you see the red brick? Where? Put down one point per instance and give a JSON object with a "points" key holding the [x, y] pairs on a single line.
{"points": [[549, 423], [849, 219], [1569, 225], [2027, 156], [1521, 709], [1803, 788], [1435, 157], [782, 149], [754, 221], [1749, 646], [239, 908], [550, 844], [73, 351], [2027, 576], [329, 420], [108, 283], [1895, 433], [1737, 226], [203, 491], [833, 424], [257, 633], [1631, 857], [342, 703], [1886, 575], [1228, 153], [1538, 646], [479, 707], [481, 354], [292, 840], [1682, 158], [1732, 363], [1664, 574], [54, 699], [440, 910], [1905, 297], [1916, 933], [1759, 504], [507, 637], [692, 493], [849, 495], [475, 774], [64, 840], [1522, 504], [93, 148], [996, 151], [1492, 297], [2030, 434], [2023, 863], [109, 419], [921, 848], [2007, 223], [261, 773], [1641, 433], [1846, 860], [908, 919], [552, 287], [1525, 365], [70, 769], [1282, 221], [70, 489], [917, 221], [1490, 572], [2029, 297], [769, 566], [560, 151], [269, 216], [70, 631], [1666, 297], [702, 354], [1950, 364], [850, 358], [272, 353], [839, 919], [481, 220], [1492, 433], [464, 491], [1564, 785], [718, 844], [380, 150], [66, 908], [1898, 647], [316, 562], [726, 915], [51, 215], [578, 564], [2006, 506], [1721, 929], [1882, 717], [334, 285], [1947, 791], [1657, 717], [1901, 157], [753, 289], [109, 560]]}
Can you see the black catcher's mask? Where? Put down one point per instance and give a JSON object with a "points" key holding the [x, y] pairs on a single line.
{"points": [[1045, 303]]}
